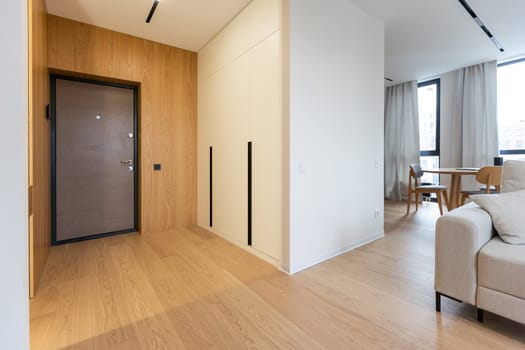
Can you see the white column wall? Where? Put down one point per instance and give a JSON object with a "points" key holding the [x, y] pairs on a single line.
{"points": [[336, 130]]}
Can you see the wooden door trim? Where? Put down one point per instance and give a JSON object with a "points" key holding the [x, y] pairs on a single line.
{"points": [[135, 89]]}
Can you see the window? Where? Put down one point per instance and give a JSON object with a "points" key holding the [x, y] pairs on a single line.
{"points": [[428, 101], [511, 109]]}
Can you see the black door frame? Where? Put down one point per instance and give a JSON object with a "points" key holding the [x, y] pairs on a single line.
{"points": [[134, 88]]}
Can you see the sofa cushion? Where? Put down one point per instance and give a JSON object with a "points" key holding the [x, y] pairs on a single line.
{"points": [[501, 267], [506, 210], [513, 176]]}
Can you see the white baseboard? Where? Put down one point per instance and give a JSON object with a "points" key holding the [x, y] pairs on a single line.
{"points": [[287, 269], [246, 247], [331, 255]]}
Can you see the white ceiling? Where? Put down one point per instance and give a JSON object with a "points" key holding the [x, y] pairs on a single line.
{"points": [[188, 24], [425, 38]]}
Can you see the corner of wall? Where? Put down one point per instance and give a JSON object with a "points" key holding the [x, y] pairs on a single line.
{"points": [[285, 25]]}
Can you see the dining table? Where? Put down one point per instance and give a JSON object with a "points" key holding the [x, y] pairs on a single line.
{"points": [[455, 182]]}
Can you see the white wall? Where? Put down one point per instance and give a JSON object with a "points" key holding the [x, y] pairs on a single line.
{"points": [[336, 129], [14, 291]]}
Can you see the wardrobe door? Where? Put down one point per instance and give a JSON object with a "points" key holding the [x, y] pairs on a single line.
{"points": [[267, 135], [231, 129], [207, 104]]}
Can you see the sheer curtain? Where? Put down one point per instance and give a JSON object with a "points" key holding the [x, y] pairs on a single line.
{"points": [[474, 112], [480, 119], [401, 137]]}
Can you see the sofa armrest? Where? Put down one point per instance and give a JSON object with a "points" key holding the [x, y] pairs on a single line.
{"points": [[460, 235]]}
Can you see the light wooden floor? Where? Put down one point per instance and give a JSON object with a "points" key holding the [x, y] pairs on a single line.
{"points": [[192, 290]]}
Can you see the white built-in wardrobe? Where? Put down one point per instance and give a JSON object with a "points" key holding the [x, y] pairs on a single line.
{"points": [[240, 102]]}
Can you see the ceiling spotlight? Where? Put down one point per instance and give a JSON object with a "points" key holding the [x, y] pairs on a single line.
{"points": [[152, 11]]}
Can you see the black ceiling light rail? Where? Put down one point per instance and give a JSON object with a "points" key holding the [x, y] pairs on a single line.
{"points": [[152, 11], [481, 24], [388, 79]]}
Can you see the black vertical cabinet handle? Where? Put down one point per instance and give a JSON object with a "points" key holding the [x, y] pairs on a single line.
{"points": [[211, 186], [250, 188]]}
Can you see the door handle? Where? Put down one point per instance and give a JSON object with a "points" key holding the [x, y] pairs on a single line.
{"points": [[130, 162]]}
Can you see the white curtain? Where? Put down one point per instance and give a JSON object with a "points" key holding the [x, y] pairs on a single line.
{"points": [[401, 137], [471, 138], [480, 119]]}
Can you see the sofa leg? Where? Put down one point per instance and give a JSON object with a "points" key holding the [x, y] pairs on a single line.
{"points": [[480, 315], [438, 302]]}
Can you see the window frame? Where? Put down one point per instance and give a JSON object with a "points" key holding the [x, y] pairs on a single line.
{"points": [[437, 151], [510, 151]]}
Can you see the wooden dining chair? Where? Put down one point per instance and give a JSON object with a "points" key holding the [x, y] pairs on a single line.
{"points": [[490, 178], [415, 187]]}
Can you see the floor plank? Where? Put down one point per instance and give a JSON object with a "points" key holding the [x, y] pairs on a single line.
{"points": [[190, 289]]}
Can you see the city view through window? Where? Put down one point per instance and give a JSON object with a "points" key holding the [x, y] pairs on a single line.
{"points": [[427, 100], [511, 109], [428, 129], [511, 117]]}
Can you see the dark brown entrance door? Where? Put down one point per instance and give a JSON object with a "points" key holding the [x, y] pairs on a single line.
{"points": [[94, 144]]}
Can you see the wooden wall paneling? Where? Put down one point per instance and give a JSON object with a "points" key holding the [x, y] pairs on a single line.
{"points": [[266, 133], [168, 111], [39, 155], [185, 132]]}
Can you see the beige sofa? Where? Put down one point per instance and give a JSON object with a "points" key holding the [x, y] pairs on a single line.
{"points": [[473, 265]]}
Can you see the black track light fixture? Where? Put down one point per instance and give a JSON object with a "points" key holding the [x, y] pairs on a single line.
{"points": [[152, 11], [480, 23]]}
